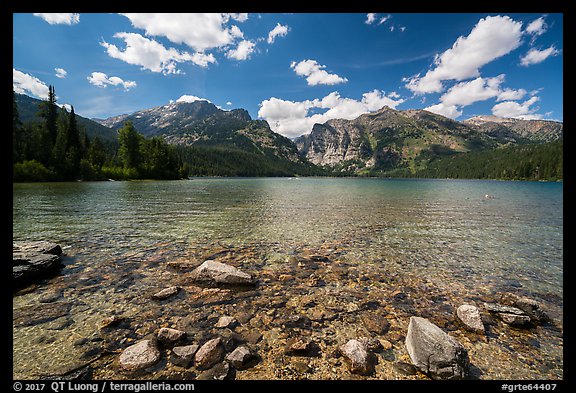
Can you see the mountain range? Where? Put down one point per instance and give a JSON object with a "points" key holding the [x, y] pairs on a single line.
{"points": [[377, 143], [389, 139]]}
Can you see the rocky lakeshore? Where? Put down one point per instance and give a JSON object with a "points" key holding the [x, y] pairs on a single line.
{"points": [[225, 312]]}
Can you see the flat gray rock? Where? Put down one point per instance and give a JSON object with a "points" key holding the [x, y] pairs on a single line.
{"points": [[184, 355], [434, 352], [240, 358], [167, 336], [166, 293], [139, 356], [33, 260], [499, 308], [212, 272]]}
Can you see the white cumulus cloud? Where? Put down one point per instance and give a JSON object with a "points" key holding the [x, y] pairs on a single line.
{"points": [[278, 31], [100, 79], [243, 51], [152, 55], [200, 31], [535, 56], [537, 27], [23, 83], [450, 111], [61, 72], [294, 118], [467, 93], [60, 18], [517, 110], [370, 18], [315, 73], [491, 38]]}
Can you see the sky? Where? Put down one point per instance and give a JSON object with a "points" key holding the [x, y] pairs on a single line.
{"points": [[295, 70]]}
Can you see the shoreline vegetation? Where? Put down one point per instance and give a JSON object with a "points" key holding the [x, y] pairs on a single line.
{"points": [[58, 148]]}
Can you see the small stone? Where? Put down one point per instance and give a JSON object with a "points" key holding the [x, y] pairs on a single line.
{"points": [[166, 293], [110, 321], [515, 319], [226, 322], [252, 337], [219, 372], [167, 336], [386, 345], [139, 356], [209, 354], [183, 356], [357, 356], [470, 317], [240, 358], [50, 296], [371, 344], [301, 367], [212, 272], [404, 368], [375, 322], [301, 346]]}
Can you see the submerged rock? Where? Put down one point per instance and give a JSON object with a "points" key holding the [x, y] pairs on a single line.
{"points": [[39, 313], [375, 322], [301, 346], [34, 260], [530, 306], [515, 319], [183, 356], [356, 354], [168, 336], [166, 293], [470, 317], [226, 322], [511, 315], [219, 372], [434, 352], [139, 356], [212, 272], [209, 354], [241, 357]]}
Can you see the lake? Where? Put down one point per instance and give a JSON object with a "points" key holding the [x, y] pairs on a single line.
{"points": [[122, 240]]}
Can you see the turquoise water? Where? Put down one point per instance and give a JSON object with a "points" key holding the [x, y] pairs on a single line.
{"points": [[120, 239], [430, 226]]}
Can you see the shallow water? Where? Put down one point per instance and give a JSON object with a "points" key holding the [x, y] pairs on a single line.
{"points": [[119, 238]]}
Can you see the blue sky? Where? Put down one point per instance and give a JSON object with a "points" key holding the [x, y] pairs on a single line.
{"points": [[294, 70]]}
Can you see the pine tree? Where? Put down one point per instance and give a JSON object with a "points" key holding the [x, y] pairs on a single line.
{"points": [[129, 151], [17, 129], [96, 153], [49, 111]]}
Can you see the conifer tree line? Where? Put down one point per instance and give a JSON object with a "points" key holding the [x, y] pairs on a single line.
{"points": [[57, 149]]}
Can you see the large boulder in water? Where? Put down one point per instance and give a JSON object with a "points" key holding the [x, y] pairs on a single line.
{"points": [[434, 352], [212, 272], [32, 260]]}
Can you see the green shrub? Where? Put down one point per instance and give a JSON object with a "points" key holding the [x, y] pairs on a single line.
{"points": [[32, 170]]}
